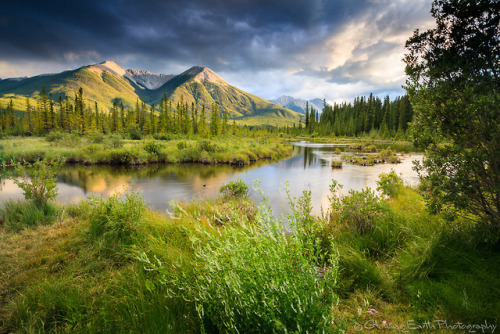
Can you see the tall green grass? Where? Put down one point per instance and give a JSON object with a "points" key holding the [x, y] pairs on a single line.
{"points": [[221, 265], [18, 215], [113, 149]]}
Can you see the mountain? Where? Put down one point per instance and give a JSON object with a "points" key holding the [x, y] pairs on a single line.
{"points": [[104, 82], [298, 105], [148, 80]]}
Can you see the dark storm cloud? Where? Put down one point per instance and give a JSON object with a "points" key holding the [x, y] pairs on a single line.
{"points": [[192, 30], [318, 38]]}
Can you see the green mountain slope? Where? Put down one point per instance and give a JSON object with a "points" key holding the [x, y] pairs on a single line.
{"points": [[98, 85], [104, 82]]}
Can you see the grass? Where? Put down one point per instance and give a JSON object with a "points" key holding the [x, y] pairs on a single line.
{"points": [[115, 150], [223, 265]]}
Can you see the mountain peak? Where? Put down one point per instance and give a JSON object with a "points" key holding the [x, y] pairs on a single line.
{"points": [[109, 66], [202, 74]]}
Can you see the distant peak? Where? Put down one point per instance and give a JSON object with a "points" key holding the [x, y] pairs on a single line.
{"points": [[112, 67], [202, 74], [195, 70]]}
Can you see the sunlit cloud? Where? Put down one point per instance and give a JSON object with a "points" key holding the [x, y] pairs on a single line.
{"points": [[306, 49]]}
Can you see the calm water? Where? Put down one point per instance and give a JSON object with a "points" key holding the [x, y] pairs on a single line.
{"points": [[308, 169]]}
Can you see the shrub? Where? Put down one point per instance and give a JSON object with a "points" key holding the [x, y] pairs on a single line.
{"points": [[38, 180], [389, 184], [209, 146], [181, 145], [115, 140], [64, 139], [134, 132], [54, 136], [359, 209], [153, 147], [162, 136], [236, 188], [98, 138]]}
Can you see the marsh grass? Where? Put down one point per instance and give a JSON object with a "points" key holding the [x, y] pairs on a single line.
{"points": [[113, 149], [18, 215]]}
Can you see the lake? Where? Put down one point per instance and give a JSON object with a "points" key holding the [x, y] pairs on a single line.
{"points": [[308, 169]]}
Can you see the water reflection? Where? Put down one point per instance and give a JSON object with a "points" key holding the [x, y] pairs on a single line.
{"points": [[308, 169]]}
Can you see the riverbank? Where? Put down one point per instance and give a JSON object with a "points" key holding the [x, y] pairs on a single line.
{"points": [[222, 264], [113, 149], [343, 140]]}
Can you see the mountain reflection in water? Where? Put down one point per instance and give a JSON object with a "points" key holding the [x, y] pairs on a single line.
{"points": [[308, 169]]}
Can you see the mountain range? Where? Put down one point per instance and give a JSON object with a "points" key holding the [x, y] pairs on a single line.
{"points": [[299, 105], [107, 81]]}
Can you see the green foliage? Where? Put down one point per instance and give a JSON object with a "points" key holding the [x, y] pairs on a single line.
{"points": [[60, 308], [153, 147], [114, 140], [359, 210], [114, 221], [454, 79], [236, 188], [256, 279], [16, 216], [60, 138], [54, 136], [38, 180], [389, 184]]}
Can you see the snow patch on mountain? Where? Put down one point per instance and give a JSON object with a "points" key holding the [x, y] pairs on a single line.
{"points": [[298, 105]]}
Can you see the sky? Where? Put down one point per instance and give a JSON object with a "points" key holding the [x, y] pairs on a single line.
{"points": [[329, 49]]}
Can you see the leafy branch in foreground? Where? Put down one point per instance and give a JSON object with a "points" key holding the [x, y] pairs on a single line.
{"points": [[453, 82], [38, 180]]}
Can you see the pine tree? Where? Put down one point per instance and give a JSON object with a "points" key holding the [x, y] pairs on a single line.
{"points": [[215, 120], [224, 123]]}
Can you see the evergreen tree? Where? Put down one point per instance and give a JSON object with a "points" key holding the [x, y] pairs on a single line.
{"points": [[215, 120]]}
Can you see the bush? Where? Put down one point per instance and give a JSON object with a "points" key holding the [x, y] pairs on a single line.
{"points": [[360, 209], [115, 140], [38, 180], [181, 145], [64, 139], [134, 132], [209, 146], [389, 184], [98, 138], [153, 147], [54, 136], [236, 188]]}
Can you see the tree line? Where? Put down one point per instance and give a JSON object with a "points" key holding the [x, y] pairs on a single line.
{"points": [[365, 116], [87, 119]]}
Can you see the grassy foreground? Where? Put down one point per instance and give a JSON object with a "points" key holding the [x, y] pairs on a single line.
{"points": [[224, 265], [113, 149]]}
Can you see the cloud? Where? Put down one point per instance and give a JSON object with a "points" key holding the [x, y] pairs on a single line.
{"points": [[339, 45]]}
